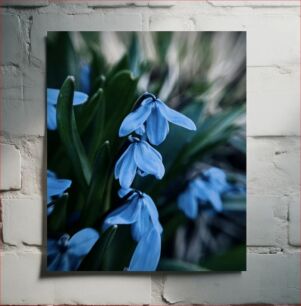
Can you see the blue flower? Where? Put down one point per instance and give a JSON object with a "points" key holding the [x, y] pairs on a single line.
{"points": [[52, 96], [155, 114], [139, 158], [55, 187], [66, 254], [141, 212], [205, 189]]}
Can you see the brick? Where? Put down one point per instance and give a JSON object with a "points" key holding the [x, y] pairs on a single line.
{"points": [[275, 91], [139, 3], [259, 223], [22, 221], [10, 167], [170, 23], [273, 166], [24, 3], [23, 283], [13, 45], [23, 101], [250, 3], [269, 33], [294, 220], [269, 279], [33, 150], [109, 4]]}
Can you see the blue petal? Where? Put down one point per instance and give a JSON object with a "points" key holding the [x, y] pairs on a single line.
{"points": [[81, 243], [79, 98], [156, 127], [85, 74], [56, 186], [141, 130], [147, 253], [215, 199], [143, 223], [206, 193], [52, 247], [217, 179], [59, 263], [187, 202], [52, 95], [51, 117], [134, 120], [153, 212], [126, 168], [126, 214], [175, 117], [122, 192], [148, 159]]}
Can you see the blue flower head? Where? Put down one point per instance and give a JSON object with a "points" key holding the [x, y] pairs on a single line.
{"points": [[141, 213], [207, 188], [140, 157], [66, 254], [52, 96], [155, 115], [55, 187]]}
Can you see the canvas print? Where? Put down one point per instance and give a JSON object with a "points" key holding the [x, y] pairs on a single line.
{"points": [[146, 151]]}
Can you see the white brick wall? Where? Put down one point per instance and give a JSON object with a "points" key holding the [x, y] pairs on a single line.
{"points": [[273, 46]]}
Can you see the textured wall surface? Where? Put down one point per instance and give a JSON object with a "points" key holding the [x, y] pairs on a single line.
{"points": [[273, 99]]}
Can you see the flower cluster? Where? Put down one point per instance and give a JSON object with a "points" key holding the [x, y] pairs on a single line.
{"points": [[150, 123], [207, 188], [64, 253]]}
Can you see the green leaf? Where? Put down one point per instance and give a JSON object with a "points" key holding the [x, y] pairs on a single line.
{"points": [[232, 260], [122, 64], [95, 260], [86, 112], [57, 220], [96, 203], [69, 135], [97, 136], [214, 129], [134, 55], [119, 94], [178, 265]]}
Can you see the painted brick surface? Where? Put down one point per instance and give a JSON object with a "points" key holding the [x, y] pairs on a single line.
{"points": [[270, 279], [10, 167], [25, 285], [20, 214], [273, 46], [294, 220]]}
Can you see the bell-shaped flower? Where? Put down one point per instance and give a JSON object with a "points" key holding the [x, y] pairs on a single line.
{"points": [[66, 253], [207, 188], [155, 114], [55, 187], [52, 97], [141, 213], [140, 157]]}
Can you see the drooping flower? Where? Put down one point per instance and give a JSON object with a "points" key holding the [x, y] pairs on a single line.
{"points": [[55, 187], [207, 188], [52, 96], [141, 213], [155, 114], [140, 157], [66, 253]]}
